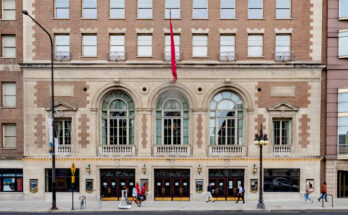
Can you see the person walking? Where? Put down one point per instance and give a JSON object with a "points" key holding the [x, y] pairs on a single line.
{"points": [[240, 193], [138, 194], [134, 195], [210, 192], [143, 192], [323, 191], [306, 195], [124, 200]]}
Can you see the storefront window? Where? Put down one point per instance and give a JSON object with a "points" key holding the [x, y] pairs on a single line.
{"points": [[11, 180], [63, 180], [282, 180]]}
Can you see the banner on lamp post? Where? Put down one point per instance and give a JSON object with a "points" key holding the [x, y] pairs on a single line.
{"points": [[50, 131]]}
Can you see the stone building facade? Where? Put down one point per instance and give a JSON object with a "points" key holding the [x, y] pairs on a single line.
{"points": [[337, 66], [122, 120]]}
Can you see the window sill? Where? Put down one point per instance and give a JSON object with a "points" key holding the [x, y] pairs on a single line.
{"points": [[255, 56], [228, 18], [283, 18], [12, 148], [3, 107], [172, 18], [117, 18], [343, 18], [8, 19], [256, 19], [199, 56], [8, 58], [88, 56], [144, 18], [144, 56], [89, 18], [61, 18], [343, 57], [200, 18]]}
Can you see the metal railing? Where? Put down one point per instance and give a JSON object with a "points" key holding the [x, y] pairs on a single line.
{"points": [[281, 150], [226, 150], [322, 201], [116, 56], [283, 56], [167, 56], [172, 150], [117, 150], [227, 56], [62, 55]]}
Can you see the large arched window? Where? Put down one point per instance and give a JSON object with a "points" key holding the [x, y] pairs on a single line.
{"points": [[226, 119], [172, 120], [117, 125]]}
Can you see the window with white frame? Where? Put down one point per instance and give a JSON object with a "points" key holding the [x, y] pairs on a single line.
{"points": [[117, 119], [61, 9], [9, 135], [167, 49], [199, 45], [342, 121], [9, 95], [9, 9], [172, 120], [343, 9], [8, 46], [226, 119], [174, 7], [282, 45], [343, 44], [89, 45], [63, 131], [89, 9], [227, 9], [200, 9], [117, 46], [117, 9], [144, 9], [255, 45], [62, 46], [144, 46], [281, 131], [227, 46], [255, 9], [283, 10]]}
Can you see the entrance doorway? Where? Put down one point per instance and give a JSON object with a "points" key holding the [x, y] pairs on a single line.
{"points": [[172, 184], [112, 181], [225, 183], [342, 184]]}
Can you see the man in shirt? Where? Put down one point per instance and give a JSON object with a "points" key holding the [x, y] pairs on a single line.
{"points": [[240, 193]]}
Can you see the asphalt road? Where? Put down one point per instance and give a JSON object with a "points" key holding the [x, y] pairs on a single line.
{"points": [[181, 213]]}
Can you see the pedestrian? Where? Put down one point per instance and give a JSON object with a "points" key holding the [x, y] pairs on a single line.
{"points": [[323, 191], [138, 194], [134, 195], [240, 193], [143, 192], [306, 195], [210, 192], [124, 200]]}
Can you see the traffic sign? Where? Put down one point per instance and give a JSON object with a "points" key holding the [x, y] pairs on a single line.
{"points": [[73, 169]]}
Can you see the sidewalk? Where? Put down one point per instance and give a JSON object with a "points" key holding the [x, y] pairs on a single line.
{"points": [[291, 205]]}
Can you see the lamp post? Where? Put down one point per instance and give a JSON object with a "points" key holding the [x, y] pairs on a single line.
{"points": [[54, 206], [261, 140]]}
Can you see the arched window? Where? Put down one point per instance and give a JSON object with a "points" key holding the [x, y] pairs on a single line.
{"points": [[226, 119], [172, 120], [117, 125]]}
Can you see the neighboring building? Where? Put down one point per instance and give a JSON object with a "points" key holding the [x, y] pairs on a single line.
{"points": [[122, 120], [337, 99], [11, 98]]}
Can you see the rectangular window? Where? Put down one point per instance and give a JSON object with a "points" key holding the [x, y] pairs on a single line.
{"points": [[200, 46], [63, 180], [255, 10], [61, 9], [89, 9], [89, 45], [11, 180], [282, 180], [117, 49], [144, 9], [167, 48], [9, 9], [343, 9], [174, 6], [281, 132], [200, 9], [227, 9], [283, 10], [9, 135], [343, 44], [63, 131], [144, 45], [117, 10], [9, 95], [342, 121], [283, 50], [227, 47], [62, 47], [9, 46], [255, 45]]}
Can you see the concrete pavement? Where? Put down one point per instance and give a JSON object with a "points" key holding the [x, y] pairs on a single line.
{"points": [[284, 205]]}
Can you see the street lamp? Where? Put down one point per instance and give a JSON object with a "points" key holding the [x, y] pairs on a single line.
{"points": [[54, 207], [261, 140]]}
